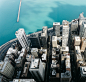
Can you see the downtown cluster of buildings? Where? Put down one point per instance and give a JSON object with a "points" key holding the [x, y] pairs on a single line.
{"points": [[57, 54]]}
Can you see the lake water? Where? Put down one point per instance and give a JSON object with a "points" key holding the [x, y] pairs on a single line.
{"points": [[35, 14]]}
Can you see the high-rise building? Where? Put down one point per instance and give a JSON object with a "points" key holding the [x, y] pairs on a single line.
{"points": [[12, 51], [21, 59], [44, 37], [83, 44], [54, 41], [26, 73], [66, 76], [37, 70], [35, 41], [74, 26], [65, 33], [76, 41], [77, 55], [21, 36], [81, 18], [83, 29], [56, 28], [6, 69]]}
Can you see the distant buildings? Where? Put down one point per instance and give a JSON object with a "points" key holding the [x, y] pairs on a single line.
{"points": [[57, 54]]}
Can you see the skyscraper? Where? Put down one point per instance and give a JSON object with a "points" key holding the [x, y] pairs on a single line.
{"points": [[20, 34], [35, 41], [44, 37], [56, 28], [6, 69], [37, 70], [83, 29], [65, 33]]}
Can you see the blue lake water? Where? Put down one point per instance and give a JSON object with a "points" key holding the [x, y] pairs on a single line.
{"points": [[35, 14]]}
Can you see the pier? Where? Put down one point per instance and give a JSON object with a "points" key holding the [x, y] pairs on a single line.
{"points": [[19, 11]]}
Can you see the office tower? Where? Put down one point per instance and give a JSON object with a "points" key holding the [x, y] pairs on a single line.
{"points": [[76, 41], [81, 18], [34, 51], [66, 76], [77, 55], [26, 73], [82, 32], [35, 41], [45, 30], [37, 70], [65, 33], [44, 37], [56, 28], [6, 69], [21, 36], [83, 44], [54, 41], [74, 26]]}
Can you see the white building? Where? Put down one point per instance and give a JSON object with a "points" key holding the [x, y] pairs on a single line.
{"points": [[77, 41], [65, 33], [37, 70], [11, 50], [54, 41], [20, 34], [65, 49], [44, 58], [77, 55], [83, 44]]}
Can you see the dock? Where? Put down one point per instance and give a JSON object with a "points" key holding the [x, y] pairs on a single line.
{"points": [[19, 11]]}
